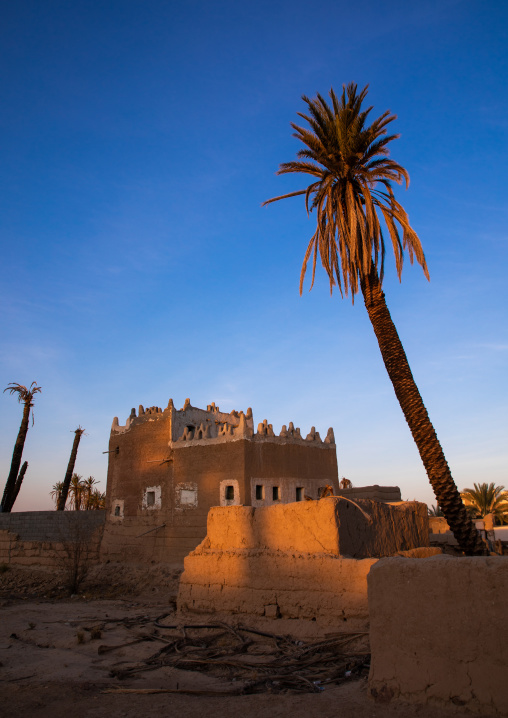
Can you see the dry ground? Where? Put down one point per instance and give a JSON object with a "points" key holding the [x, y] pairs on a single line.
{"points": [[51, 665]]}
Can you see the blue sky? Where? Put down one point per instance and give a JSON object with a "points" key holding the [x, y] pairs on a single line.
{"points": [[138, 141]]}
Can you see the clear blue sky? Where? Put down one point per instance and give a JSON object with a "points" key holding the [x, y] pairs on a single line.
{"points": [[138, 140]]}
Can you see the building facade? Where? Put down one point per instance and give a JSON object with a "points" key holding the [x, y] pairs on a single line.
{"points": [[168, 467]]}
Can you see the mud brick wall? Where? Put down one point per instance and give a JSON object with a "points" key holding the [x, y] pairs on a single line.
{"points": [[438, 632], [34, 538], [288, 560]]}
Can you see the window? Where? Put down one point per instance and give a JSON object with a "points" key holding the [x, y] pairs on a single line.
{"points": [[260, 492], [150, 498], [276, 493], [117, 510], [188, 497], [299, 493], [230, 493]]}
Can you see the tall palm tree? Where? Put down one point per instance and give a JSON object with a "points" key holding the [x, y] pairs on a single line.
{"points": [[352, 194], [78, 433], [25, 397], [487, 499], [17, 486]]}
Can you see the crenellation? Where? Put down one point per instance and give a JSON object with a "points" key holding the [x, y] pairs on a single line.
{"points": [[265, 429], [330, 436], [292, 432], [313, 435]]}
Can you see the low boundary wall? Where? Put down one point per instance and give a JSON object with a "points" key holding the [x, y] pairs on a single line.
{"points": [[36, 538], [438, 631]]}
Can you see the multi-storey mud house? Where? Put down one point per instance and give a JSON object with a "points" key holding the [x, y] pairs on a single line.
{"points": [[168, 467]]}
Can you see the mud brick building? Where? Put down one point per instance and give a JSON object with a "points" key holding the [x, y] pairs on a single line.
{"points": [[168, 467]]}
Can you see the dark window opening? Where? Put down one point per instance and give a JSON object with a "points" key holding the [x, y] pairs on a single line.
{"points": [[117, 510], [260, 492], [230, 493], [299, 493], [276, 493], [150, 498]]}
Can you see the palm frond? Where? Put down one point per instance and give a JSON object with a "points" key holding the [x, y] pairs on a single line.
{"points": [[353, 190]]}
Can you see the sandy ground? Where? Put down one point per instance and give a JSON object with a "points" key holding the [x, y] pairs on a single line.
{"points": [[53, 660]]}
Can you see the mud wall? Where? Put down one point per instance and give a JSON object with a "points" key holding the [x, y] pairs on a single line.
{"points": [[286, 560], [41, 538], [313, 587], [364, 529], [438, 631]]}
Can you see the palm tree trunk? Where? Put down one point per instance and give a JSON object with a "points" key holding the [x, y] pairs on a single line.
{"points": [[416, 415], [70, 468], [17, 486], [16, 458]]}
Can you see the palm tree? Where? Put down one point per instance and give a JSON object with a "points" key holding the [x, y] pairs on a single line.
{"points": [[97, 500], [17, 486], [56, 492], [351, 192], [88, 489], [487, 499], [77, 492], [25, 396], [78, 433], [435, 511]]}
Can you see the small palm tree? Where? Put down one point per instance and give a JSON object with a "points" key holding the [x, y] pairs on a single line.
{"points": [[77, 492], [25, 396], [56, 492], [97, 500], [351, 192], [487, 499], [88, 490], [435, 511]]}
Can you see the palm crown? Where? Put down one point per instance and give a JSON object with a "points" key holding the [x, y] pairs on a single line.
{"points": [[354, 176], [487, 499]]}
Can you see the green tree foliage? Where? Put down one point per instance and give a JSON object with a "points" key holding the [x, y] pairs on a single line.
{"points": [[487, 499], [83, 494]]}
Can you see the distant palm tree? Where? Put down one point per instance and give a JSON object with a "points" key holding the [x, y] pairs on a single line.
{"points": [[435, 511], [78, 433], [351, 192], [77, 491], [487, 499], [56, 492], [97, 500], [25, 396], [88, 489]]}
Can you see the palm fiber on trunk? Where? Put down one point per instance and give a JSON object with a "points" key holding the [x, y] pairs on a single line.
{"points": [[416, 415]]}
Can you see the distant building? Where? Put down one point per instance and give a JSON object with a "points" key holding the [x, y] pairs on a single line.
{"points": [[167, 468]]}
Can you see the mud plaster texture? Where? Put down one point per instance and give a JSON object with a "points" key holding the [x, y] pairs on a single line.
{"points": [[438, 631], [290, 561]]}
